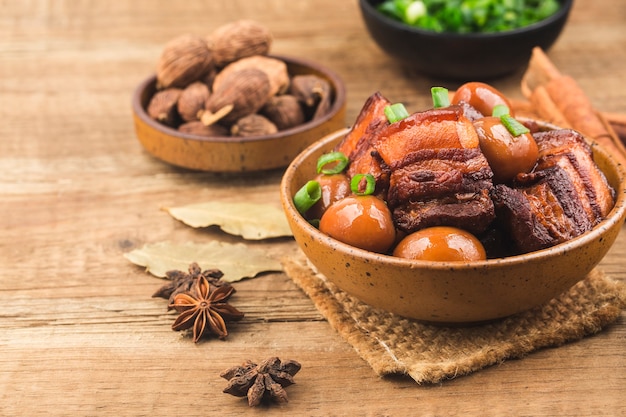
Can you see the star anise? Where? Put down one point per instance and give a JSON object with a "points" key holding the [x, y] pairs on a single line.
{"points": [[205, 309], [266, 381], [180, 281]]}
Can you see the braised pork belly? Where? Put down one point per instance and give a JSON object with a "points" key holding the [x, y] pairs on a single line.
{"points": [[358, 144], [563, 197], [430, 170], [438, 175]]}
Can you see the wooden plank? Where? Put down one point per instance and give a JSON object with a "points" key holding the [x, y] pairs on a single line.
{"points": [[79, 331]]}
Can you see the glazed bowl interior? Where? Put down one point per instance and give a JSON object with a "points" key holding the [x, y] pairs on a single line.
{"points": [[237, 154], [462, 57], [444, 292]]}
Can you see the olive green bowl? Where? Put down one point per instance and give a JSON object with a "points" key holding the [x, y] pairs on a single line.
{"points": [[237, 154], [443, 292]]}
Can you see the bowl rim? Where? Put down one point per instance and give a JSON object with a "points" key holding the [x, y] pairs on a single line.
{"points": [[338, 86], [616, 215], [562, 13]]}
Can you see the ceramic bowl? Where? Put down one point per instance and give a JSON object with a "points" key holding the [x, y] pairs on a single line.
{"points": [[237, 154], [463, 57], [450, 293]]}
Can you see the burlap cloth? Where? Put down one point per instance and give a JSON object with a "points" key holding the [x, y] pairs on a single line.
{"points": [[430, 354]]}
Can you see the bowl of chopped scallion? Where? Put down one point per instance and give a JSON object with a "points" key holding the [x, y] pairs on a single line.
{"points": [[464, 39]]}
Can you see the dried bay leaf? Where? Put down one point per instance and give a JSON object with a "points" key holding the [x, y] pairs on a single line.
{"points": [[236, 261], [252, 221]]}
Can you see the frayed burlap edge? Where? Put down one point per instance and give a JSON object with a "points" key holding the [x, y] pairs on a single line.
{"points": [[429, 354]]}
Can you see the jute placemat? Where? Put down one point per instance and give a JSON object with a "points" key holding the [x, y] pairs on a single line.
{"points": [[430, 354]]}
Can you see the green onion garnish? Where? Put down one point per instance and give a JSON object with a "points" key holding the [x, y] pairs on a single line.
{"points": [[468, 16], [305, 197], [440, 97], [396, 112], [414, 11], [514, 127], [500, 110], [370, 184], [339, 159]]}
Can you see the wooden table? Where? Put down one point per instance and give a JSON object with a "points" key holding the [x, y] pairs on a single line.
{"points": [[80, 333]]}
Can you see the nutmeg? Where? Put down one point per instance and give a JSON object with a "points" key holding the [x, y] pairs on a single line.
{"points": [[198, 128], [239, 94], [184, 59], [239, 39], [253, 125], [162, 106], [191, 101], [210, 77], [314, 93], [284, 111], [275, 69]]}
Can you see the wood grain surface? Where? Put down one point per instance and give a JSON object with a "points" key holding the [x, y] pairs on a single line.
{"points": [[80, 334]]}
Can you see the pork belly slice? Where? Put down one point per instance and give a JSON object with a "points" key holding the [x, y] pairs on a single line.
{"points": [[473, 212], [534, 216], [438, 175], [569, 150], [431, 129], [563, 197], [370, 119], [358, 144]]}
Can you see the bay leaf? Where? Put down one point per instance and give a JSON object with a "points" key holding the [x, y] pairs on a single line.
{"points": [[252, 221], [236, 261]]}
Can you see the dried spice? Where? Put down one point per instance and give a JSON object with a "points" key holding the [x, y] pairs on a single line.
{"points": [[266, 381], [314, 92], [243, 91], [184, 59], [161, 257], [198, 128], [284, 111], [229, 75], [184, 282], [205, 309], [163, 106], [274, 68], [239, 39], [191, 101], [252, 221], [253, 125]]}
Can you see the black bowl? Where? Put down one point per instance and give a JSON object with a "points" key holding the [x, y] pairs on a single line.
{"points": [[462, 57]]}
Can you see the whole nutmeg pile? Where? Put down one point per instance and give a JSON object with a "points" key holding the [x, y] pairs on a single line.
{"points": [[226, 84]]}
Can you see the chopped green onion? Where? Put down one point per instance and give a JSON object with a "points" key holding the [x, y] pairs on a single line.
{"points": [[440, 97], [370, 184], [396, 112], [514, 127], [500, 110], [307, 196], [468, 16], [414, 11], [339, 159]]}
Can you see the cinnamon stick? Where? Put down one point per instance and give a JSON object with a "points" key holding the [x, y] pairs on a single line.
{"points": [[547, 109], [559, 99], [523, 108], [540, 71], [575, 106]]}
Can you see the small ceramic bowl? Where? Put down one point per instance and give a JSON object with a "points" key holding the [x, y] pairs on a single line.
{"points": [[237, 154], [447, 292], [462, 57]]}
